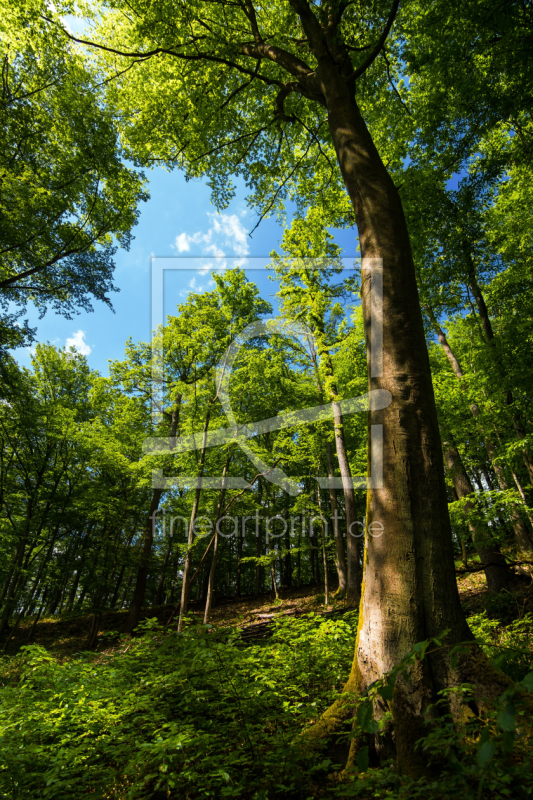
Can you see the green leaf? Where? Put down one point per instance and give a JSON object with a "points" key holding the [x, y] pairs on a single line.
{"points": [[485, 753], [362, 759], [499, 660], [366, 719], [527, 682], [507, 718], [387, 691]]}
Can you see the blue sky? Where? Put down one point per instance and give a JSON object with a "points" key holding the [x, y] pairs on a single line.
{"points": [[177, 221]]}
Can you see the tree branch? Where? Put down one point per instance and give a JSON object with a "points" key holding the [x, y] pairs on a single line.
{"points": [[377, 49], [394, 89]]}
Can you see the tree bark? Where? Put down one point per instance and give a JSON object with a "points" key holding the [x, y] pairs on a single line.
{"points": [[324, 553], [259, 578], [340, 560], [520, 530], [489, 333], [409, 586], [213, 569], [134, 613], [184, 606], [497, 572], [161, 584]]}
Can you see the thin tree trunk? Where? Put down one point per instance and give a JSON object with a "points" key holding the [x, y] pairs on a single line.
{"points": [[324, 554], [520, 530], [238, 577], [464, 554], [489, 333], [16, 576], [134, 613], [287, 558], [497, 572], [149, 531], [273, 574], [340, 560], [213, 569], [299, 557], [259, 570], [354, 576], [8, 578], [76, 581], [184, 606], [161, 584]]}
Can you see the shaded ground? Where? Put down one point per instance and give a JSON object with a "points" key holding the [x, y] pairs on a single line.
{"points": [[68, 634]]}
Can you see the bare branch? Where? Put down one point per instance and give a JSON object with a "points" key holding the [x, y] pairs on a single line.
{"points": [[377, 49], [249, 10], [278, 190], [395, 90]]}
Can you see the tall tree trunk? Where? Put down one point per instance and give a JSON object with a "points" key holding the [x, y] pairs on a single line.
{"points": [[184, 606], [299, 556], [324, 553], [489, 333], [497, 571], [464, 554], [287, 558], [76, 581], [520, 530], [161, 584], [16, 575], [134, 613], [259, 569], [9, 576], [238, 577], [213, 569], [353, 558], [122, 570], [340, 560], [353, 554], [409, 570]]}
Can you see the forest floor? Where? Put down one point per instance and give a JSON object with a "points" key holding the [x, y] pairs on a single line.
{"points": [[67, 634]]}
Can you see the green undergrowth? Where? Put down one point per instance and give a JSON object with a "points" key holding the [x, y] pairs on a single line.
{"points": [[195, 714], [198, 715]]}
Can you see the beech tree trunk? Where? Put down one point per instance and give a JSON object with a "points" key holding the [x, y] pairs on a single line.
{"points": [[161, 584], [497, 571], [509, 399], [520, 529], [324, 553], [409, 588], [213, 569], [184, 606], [340, 560], [353, 554], [134, 613]]}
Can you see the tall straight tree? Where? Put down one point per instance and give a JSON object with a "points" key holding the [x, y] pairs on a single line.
{"points": [[309, 295], [273, 93]]}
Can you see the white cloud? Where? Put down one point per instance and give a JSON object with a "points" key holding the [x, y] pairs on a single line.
{"points": [[77, 341], [215, 251], [232, 229], [194, 286], [226, 233], [182, 243]]}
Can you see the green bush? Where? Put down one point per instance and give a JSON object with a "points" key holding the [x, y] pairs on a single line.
{"points": [[194, 714]]}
